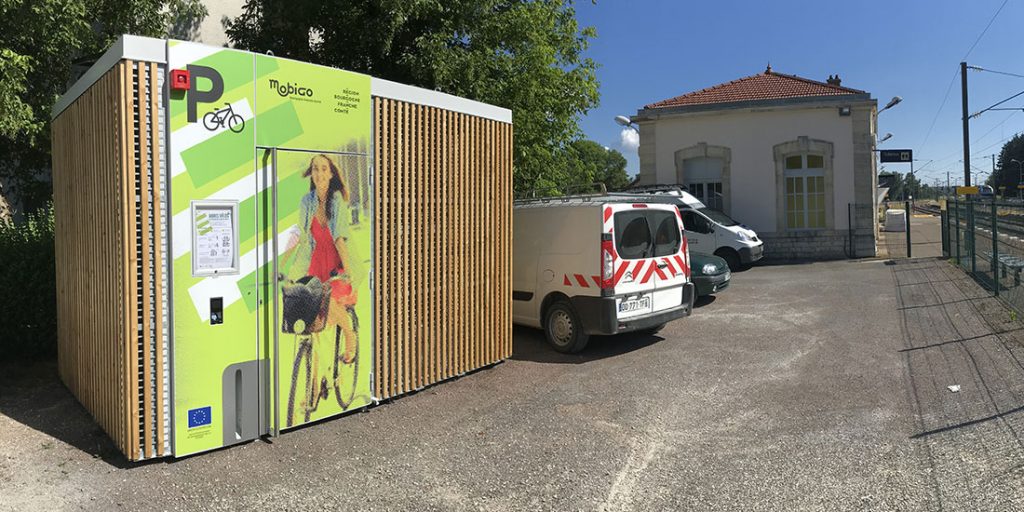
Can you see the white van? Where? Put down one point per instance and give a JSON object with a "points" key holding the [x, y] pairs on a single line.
{"points": [[709, 231], [597, 265]]}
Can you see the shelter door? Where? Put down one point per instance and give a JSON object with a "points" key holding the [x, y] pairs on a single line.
{"points": [[314, 319]]}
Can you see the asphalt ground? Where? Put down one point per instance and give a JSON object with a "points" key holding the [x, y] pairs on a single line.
{"points": [[818, 386]]}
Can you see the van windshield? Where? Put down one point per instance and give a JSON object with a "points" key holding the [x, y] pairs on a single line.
{"points": [[717, 216]]}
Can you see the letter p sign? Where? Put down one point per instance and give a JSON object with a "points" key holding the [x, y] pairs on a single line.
{"points": [[195, 96]]}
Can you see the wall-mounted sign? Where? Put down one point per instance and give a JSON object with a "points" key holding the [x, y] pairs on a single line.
{"points": [[214, 238], [896, 155]]}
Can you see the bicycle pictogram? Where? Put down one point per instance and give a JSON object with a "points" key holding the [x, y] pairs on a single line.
{"points": [[226, 116]]}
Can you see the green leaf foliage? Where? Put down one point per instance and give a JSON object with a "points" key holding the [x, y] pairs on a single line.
{"points": [[525, 55], [28, 301], [1008, 172], [42, 43], [591, 162]]}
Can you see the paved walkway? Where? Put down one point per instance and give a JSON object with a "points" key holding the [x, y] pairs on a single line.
{"points": [[925, 239], [956, 334]]}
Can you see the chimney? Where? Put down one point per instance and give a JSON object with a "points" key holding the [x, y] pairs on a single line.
{"points": [[833, 80]]}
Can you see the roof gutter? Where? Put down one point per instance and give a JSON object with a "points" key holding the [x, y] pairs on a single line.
{"points": [[646, 114]]}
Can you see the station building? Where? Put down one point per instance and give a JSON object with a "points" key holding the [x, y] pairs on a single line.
{"points": [[790, 157]]}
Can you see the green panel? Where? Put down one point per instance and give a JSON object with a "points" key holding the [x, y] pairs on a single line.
{"points": [[285, 123], [330, 114], [203, 351], [207, 161]]}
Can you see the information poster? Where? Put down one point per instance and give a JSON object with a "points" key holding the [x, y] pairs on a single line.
{"points": [[214, 239]]}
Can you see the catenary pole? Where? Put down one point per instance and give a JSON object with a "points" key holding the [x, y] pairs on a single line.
{"points": [[967, 130]]}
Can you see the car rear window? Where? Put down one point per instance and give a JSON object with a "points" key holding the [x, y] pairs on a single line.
{"points": [[646, 234], [633, 235], [666, 233]]}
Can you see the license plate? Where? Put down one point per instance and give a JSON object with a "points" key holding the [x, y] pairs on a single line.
{"points": [[634, 305]]}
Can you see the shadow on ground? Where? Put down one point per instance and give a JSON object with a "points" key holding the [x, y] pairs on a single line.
{"points": [[33, 395], [965, 364], [528, 344]]}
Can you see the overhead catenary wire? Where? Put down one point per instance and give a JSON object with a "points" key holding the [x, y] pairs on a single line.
{"points": [[993, 107], [1007, 73], [993, 144], [941, 105], [982, 34], [944, 158], [957, 72]]}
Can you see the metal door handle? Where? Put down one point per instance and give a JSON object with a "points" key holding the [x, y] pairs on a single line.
{"points": [[662, 265]]}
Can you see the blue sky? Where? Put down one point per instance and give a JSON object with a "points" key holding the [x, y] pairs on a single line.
{"points": [[651, 50]]}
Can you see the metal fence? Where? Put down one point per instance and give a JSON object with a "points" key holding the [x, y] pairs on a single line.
{"points": [[986, 239]]}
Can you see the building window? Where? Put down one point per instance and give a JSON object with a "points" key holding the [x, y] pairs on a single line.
{"points": [[702, 176], [805, 191], [709, 193]]}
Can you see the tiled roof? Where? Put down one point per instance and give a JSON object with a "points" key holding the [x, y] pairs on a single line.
{"points": [[763, 86]]}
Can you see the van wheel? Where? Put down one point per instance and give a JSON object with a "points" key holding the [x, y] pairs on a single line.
{"points": [[563, 329], [731, 258]]}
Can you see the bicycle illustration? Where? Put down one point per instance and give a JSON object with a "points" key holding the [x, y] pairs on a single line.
{"points": [[226, 116], [306, 302]]}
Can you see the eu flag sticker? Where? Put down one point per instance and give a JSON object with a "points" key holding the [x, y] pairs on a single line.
{"points": [[199, 417]]}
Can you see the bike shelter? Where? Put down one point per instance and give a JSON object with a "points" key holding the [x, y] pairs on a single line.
{"points": [[247, 243]]}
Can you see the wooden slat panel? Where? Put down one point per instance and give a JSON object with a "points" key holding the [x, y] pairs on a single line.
{"points": [[147, 372], [390, 283], [402, 276], [158, 305], [415, 292], [99, 256], [443, 249], [86, 135]]}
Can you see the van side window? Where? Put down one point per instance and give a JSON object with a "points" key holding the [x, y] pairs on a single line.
{"points": [[633, 240], [694, 222], [667, 237]]}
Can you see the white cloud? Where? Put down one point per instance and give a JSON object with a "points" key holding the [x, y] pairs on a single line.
{"points": [[630, 139]]}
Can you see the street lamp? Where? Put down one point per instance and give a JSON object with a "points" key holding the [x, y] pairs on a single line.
{"points": [[884, 138], [624, 121], [1019, 180], [892, 103]]}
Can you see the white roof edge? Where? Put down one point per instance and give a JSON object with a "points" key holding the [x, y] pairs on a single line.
{"points": [[131, 47], [155, 50], [402, 92]]}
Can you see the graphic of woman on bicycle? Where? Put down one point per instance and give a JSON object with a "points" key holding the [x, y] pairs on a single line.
{"points": [[322, 251]]}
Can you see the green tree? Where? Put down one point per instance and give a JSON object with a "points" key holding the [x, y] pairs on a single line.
{"points": [[525, 55], [1007, 172], [590, 162], [40, 42]]}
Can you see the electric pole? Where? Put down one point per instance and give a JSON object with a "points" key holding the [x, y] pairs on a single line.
{"points": [[967, 130]]}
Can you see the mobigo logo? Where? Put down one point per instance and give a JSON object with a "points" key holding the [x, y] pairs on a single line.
{"points": [[290, 89], [217, 118]]}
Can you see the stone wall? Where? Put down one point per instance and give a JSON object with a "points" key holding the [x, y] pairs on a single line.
{"points": [[818, 245]]}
